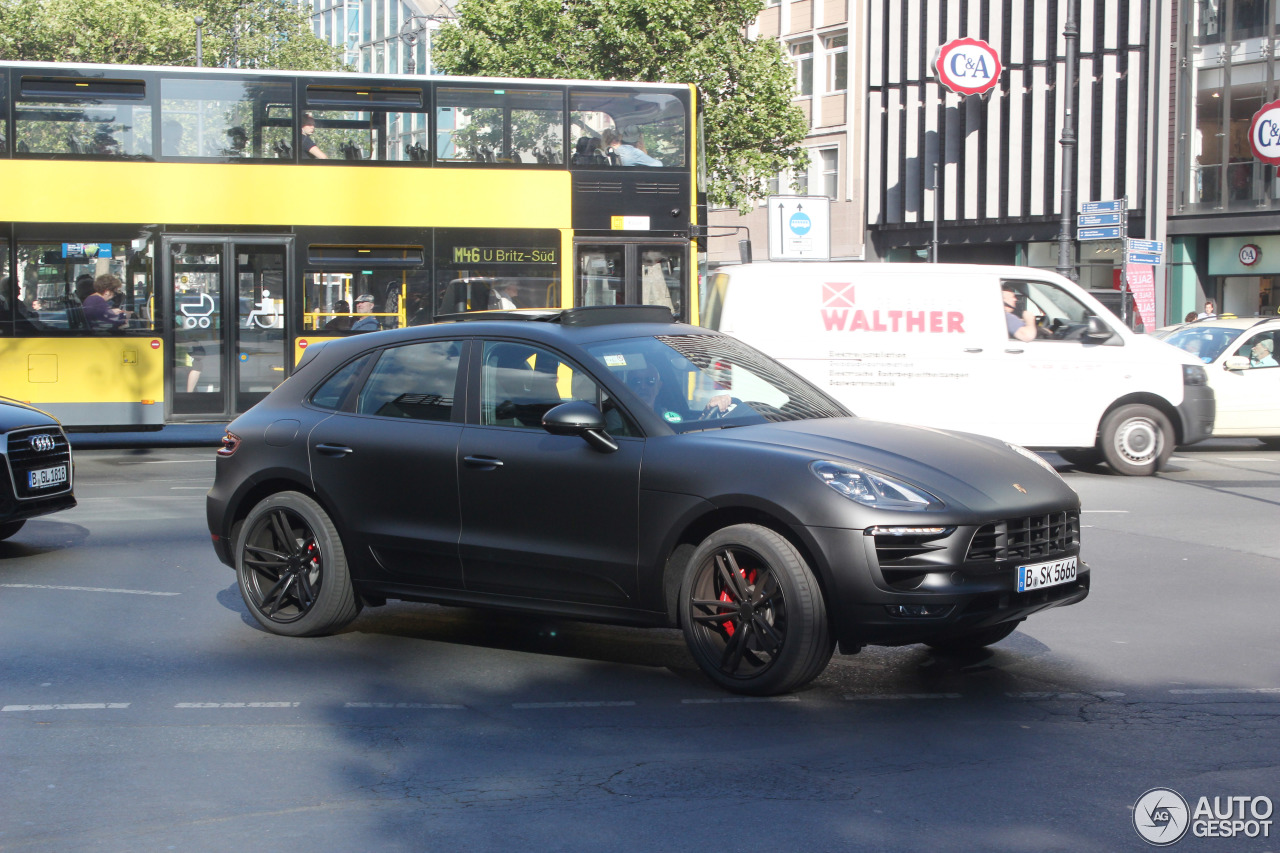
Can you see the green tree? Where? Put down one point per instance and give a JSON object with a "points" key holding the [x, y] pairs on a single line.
{"points": [[245, 33], [752, 128]]}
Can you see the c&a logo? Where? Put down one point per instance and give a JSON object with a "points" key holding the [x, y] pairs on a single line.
{"points": [[1160, 816], [1264, 133]]}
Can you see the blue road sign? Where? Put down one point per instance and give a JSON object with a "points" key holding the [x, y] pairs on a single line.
{"points": [[1092, 220], [1099, 233], [1115, 205], [1150, 247], [1143, 258]]}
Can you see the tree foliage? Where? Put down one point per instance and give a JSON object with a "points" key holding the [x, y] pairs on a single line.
{"points": [[752, 128], [241, 33]]}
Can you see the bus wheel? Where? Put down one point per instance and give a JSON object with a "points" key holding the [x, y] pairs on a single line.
{"points": [[1136, 440], [9, 528], [292, 569], [752, 613]]}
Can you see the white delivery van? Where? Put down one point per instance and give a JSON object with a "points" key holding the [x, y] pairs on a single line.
{"points": [[929, 344]]}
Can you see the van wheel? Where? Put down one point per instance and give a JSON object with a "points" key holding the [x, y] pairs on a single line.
{"points": [[1136, 440], [752, 612], [292, 568]]}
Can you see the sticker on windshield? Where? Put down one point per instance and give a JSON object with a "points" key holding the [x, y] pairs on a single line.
{"points": [[615, 360], [672, 417]]}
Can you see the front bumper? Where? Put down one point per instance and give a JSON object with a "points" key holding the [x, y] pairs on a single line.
{"points": [[965, 581], [1197, 412]]}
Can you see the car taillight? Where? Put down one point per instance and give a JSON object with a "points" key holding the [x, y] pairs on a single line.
{"points": [[230, 441]]}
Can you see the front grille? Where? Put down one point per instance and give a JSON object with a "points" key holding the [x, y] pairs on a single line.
{"points": [[25, 452], [1030, 538]]}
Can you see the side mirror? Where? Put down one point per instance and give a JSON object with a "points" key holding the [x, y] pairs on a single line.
{"points": [[581, 419], [1098, 331], [1236, 362]]}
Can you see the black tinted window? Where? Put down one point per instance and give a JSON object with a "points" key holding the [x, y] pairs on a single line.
{"points": [[334, 390], [415, 381]]}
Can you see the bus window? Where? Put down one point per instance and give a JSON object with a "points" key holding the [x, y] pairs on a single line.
{"points": [[235, 119], [330, 304], [488, 269], [515, 127], [4, 114], [57, 284], [369, 122], [8, 295], [88, 117], [638, 129]]}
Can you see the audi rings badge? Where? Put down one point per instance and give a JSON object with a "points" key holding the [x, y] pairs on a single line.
{"points": [[43, 443], [198, 314]]}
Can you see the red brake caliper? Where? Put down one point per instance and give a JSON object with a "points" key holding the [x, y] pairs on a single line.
{"points": [[724, 596]]}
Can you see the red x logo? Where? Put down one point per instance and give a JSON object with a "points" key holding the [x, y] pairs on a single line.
{"points": [[837, 294]]}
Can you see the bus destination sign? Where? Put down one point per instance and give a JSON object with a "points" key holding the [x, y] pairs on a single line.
{"points": [[502, 255]]}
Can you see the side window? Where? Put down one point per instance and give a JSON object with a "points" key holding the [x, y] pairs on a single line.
{"points": [[520, 383], [609, 129], [84, 287], [415, 381], [87, 117], [334, 390], [1059, 316], [226, 119], [1260, 350], [365, 123], [508, 126]]}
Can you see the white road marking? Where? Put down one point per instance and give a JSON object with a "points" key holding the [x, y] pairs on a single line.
{"points": [[172, 461], [854, 697], [201, 488], [412, 706], [730, 700], [84, 589], [1112, 511], [1210, 691], [203, 705], [88, 706], [529, 705]]}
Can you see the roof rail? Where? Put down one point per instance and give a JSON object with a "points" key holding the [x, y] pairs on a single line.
{"points": [[594, 315]]}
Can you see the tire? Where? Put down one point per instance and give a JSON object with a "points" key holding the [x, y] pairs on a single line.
{"points": [[976, 639], [1082, 457], [752, 613], [292, 569], [1136, 440], [9, 528]]}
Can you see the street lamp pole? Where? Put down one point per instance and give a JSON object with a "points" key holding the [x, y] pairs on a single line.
{"points": [[199, 42], [1070, 35]]}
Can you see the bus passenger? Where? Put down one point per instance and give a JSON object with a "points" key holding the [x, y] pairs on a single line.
{"points": [[367, 323], [628, 147], [342, 322], [98, 310], [309, 147], [238, 141]]}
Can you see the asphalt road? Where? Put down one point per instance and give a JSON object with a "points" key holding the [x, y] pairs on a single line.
{"points": [[141, 709]]}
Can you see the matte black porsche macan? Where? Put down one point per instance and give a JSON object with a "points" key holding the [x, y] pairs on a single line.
{"points": [[609, 465]]}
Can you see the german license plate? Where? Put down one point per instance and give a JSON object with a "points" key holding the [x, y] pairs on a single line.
{"points": [[42, 478], [1052, 573]]}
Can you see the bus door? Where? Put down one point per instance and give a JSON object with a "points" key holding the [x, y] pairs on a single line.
{"points": [[616, 272], [226, 302]]}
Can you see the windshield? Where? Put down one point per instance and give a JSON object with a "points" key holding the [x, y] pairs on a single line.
{"points": [[1205, 343], [705, 381]]}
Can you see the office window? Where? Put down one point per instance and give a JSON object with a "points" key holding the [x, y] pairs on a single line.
{"points": [[802, 56], [837, 48], [828, 162]]}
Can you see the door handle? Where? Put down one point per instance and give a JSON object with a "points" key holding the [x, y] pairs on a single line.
{"points": [[973, 349], [333, 449], [1015, 351], [484, 463]]}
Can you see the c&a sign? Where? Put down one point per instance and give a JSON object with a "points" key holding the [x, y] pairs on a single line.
{"points": [[1264, 133], [968, 66]]}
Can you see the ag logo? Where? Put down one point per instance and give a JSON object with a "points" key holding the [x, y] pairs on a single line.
{"points": [[1161, 816]]}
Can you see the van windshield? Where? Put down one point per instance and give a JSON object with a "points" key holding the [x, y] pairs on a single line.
{"points": [[705, 381]]}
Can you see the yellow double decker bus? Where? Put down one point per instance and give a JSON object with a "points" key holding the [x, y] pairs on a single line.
{"points": [[173, 238]]}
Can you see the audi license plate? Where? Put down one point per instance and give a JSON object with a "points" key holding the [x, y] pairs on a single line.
{"points": [[1040, 575], [42, 478]]}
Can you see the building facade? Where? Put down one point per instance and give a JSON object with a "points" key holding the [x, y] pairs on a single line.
{"points": [[1224, 210]]}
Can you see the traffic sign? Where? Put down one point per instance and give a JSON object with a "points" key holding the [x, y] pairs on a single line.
{"points": [[799, 228], [1092, 220], [1112, 233], [1114, 205], [1143, 258], [1151, 247]]}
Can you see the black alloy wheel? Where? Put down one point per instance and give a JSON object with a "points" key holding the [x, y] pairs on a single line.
{"points": [[753, 615], [292, 569]]}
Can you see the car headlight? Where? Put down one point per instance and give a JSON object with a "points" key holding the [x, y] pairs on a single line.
{"points": [[1034, 457], [1194, 374], [873, 488]]}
